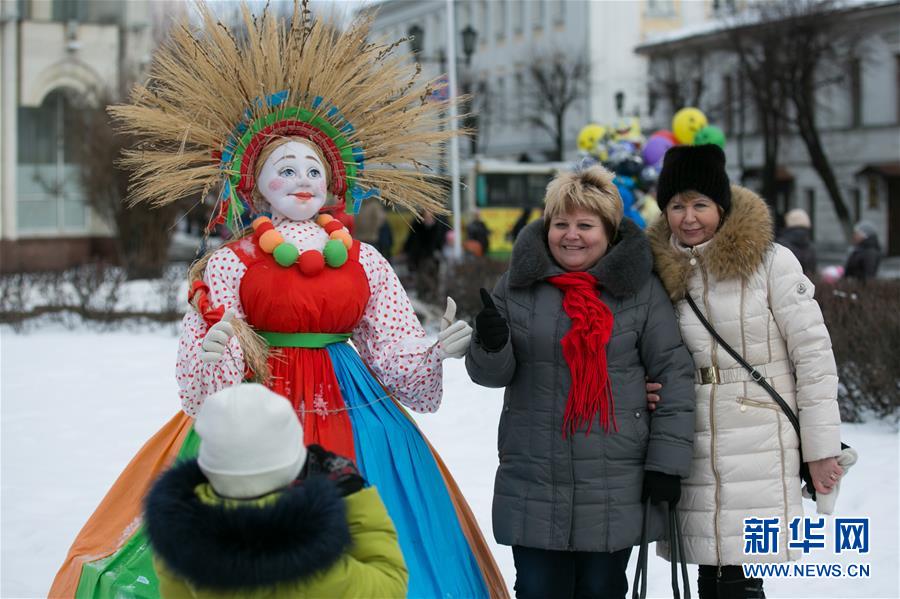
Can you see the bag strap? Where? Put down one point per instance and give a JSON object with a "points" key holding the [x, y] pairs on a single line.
{"points": [[676, 557], [639, 585], [759, 378]]}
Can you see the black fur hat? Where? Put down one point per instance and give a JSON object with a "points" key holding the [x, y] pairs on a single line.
{"points": [[697, 168]]}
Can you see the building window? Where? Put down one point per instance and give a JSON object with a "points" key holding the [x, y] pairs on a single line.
{"points": [[500, 19], [855, 82], [810, 198], [559, 11], [519, 94], [518, 17], [660, 8], [501, 100], [50, 197], [484, 18], [856, 198], [728, 103], [538, 12], [897, 85]]}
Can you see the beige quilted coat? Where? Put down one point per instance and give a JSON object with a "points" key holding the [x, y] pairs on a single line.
{"points": [[746, 455]]}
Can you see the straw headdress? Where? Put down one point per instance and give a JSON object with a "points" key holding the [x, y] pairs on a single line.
{"points": [[216, 95]]}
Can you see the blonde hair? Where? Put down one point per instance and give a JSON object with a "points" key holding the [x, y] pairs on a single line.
{"points": [[591, 189], [259, 202]]}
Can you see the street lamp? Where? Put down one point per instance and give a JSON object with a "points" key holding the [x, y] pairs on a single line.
{"points": [[417, 43], [469, 36]]}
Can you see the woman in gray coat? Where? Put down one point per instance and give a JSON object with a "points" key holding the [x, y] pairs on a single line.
{"points": [[572, 330]]}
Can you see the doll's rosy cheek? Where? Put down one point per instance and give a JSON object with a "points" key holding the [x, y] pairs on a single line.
{"points": [[276, 185]]}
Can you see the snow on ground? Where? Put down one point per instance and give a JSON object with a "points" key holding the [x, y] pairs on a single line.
{"points": [[76, 406]]}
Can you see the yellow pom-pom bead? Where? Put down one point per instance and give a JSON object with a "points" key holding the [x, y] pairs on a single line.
{"points": [[344, 236], [258, 221], [270, 240], [324, 219]]}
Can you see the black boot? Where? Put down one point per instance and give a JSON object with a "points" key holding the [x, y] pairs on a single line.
{"points": [[732, 584], [706, 582]]}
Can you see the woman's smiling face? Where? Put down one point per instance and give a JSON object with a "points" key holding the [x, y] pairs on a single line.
{"points": [[577, 239], [693, 218], [293, 182]]}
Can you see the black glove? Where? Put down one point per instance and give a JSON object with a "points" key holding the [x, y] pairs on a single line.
{"points": [[661, 487], [338, 469], [493, 332]]}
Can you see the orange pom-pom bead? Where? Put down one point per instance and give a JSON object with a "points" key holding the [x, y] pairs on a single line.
{"points": [[333, 226], [311, 262], [344, 236], [260, 220], [324, 219], [270, 240]]}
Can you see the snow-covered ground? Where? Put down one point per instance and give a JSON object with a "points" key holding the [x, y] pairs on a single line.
{"points": [[76, 406]]}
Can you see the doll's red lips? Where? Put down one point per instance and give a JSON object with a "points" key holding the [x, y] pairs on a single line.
{"points": [[303, 196]]}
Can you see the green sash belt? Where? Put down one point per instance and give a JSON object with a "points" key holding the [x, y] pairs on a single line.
{"points": [[309, 340]]}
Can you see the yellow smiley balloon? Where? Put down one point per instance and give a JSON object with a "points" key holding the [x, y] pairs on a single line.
{"points": [[686, 124], [590, 136]]}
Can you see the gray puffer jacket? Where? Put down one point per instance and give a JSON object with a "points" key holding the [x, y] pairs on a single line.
{"points": [[583, 493]]}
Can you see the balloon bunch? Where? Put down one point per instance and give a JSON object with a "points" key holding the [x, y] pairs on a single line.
{"points": [[690, 127], [618, 148]]}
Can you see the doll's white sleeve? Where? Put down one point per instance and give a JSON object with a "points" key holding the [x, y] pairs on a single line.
{"points": [[197, 380], [392, 342]]}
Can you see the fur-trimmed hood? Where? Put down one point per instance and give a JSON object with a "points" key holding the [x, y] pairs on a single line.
{"points": [[735, 251], [302, 532], [624, 269]]}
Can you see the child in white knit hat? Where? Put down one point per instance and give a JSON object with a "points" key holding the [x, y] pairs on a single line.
{"points": [[258, 512]]}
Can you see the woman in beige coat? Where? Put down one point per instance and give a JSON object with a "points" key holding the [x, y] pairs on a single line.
{"points": [[716, 245]]}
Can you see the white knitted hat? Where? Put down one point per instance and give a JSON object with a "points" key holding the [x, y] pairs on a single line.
{"points": [[251, 441], [797, 218]]}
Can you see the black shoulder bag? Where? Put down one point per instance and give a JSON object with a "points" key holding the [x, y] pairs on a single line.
{"points": [[795, 422]]}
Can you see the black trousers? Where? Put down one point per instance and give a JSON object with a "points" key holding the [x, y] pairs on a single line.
{"points": [[541, 574]]}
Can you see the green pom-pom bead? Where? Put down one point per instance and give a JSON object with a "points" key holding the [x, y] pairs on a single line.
{"points": [[285, 254], [335, 253]]}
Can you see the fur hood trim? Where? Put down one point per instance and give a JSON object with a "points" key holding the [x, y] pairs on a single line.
{"points": [[223, 548], [736, 251], [624, 269]]}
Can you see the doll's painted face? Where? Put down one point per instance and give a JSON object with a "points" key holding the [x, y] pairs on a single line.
{"points": [[293, 181]]}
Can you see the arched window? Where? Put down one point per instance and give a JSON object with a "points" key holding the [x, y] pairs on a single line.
{"points": [[50, 195]]}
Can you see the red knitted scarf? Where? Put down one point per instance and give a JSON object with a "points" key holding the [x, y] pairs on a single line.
{"points": [[584, 348]]}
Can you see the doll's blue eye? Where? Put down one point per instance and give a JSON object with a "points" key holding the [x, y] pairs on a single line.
{"points": [[287, 172]]}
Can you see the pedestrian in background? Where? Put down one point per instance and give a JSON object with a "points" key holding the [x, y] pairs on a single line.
{"points": [[865, 255], [797, 237]]}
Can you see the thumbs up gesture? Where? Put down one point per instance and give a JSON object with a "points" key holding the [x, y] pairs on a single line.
{"points": [[455, 335], [493, 332], [216, 340]]}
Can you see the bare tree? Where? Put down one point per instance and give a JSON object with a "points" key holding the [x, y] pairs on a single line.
{"points": [[759, 55], [679, 78], [555, 82], [790, 53], [142, 233]]}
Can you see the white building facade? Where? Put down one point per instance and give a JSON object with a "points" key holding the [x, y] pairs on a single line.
{"points": [[859, 123], [52, 51]]}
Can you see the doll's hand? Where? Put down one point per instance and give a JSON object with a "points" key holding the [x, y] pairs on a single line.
{"points": [[455, 336], [216, 341]]}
